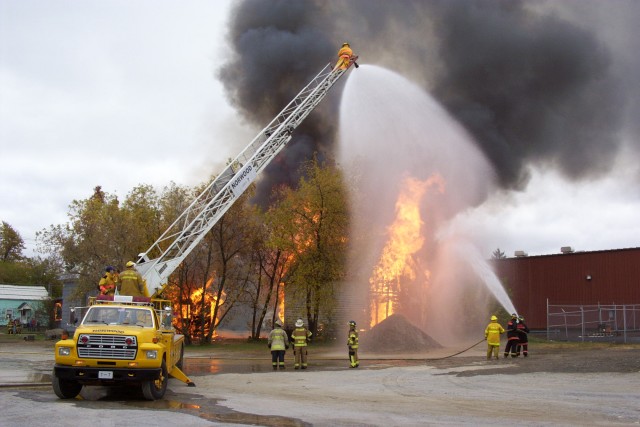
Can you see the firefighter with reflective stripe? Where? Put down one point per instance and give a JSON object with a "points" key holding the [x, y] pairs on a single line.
{"points": [[278, 343], [300, 337], [352, 343], [512, 336], [345, 53], [492, 335], [131, 282], [108, 282], [523, 337]]}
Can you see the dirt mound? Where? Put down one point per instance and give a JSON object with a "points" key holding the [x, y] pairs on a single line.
{"points": [[395, 334]]}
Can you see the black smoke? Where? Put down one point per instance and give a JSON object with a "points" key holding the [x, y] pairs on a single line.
{"points": [[278, 46], [535, 82]]}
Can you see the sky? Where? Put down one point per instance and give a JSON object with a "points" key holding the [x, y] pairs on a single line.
{"points": [[123, 93], [115, 94]]}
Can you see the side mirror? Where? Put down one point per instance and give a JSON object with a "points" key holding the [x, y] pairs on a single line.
{"points": [[72, 316]]}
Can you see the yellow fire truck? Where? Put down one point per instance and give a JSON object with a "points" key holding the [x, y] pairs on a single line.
{"points": [[121, 340]]}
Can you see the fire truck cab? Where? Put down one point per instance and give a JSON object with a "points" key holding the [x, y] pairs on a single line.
{"points": [[120, 340]]}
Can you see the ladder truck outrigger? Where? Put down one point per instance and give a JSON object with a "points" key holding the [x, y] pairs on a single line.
{"points": [[131, 340]]}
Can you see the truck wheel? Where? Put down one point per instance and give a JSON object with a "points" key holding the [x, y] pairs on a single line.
{"points": [[155, 389], [181, 360], [66, 389]]}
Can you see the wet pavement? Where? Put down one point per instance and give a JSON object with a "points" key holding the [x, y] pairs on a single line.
{"points": [[26, 391]]}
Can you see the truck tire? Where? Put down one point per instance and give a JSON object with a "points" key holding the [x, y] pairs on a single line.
{"points": [[155, 389], [181, 360], [65, 389]]}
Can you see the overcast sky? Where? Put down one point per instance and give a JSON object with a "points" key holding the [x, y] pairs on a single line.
{"points": [[120, 93]]}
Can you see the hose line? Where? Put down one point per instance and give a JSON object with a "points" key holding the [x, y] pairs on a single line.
{"points": [[455, 354]]}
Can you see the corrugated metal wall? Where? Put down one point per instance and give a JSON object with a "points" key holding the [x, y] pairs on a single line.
{"points": [[604, 277]]}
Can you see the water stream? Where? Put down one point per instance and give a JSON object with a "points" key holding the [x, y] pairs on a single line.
{"points": [[391, 130]]}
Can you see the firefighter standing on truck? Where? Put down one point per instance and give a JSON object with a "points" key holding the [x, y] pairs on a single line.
{"points": [[512, 336], [278, 343], [492, 335], [352, 343], [108, 282], [131, 282], [300, 337]]}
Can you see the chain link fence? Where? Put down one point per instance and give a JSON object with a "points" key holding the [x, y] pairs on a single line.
{"points": [[613, 323]]}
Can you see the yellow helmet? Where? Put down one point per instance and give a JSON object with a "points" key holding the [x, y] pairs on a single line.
{"points": [[130, 264], [494, 318], [345, 44]]}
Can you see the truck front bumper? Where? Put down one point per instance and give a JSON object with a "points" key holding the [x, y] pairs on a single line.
{"points": [[88, 375]]}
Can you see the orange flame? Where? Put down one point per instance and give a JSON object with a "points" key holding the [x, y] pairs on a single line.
{"points": [[280, 314], [405, 239], [193, 311]]}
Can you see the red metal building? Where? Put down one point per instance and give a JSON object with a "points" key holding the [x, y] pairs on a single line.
{"points": [[598, 277]]}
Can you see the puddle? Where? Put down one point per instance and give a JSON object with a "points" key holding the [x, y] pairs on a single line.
{"points": [[211, 410], [205, 366]]}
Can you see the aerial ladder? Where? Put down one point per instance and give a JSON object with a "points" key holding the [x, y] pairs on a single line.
{"points": [[165, 255]]}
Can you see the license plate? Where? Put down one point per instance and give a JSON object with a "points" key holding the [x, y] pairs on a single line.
{"points": [[105, 375]]}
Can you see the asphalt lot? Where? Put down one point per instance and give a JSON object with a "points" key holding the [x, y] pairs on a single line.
{"points": [[557, 386]]}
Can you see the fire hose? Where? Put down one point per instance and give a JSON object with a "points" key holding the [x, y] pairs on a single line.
{"points": [[455, 354]]}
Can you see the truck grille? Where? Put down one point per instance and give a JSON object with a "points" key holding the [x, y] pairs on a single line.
{"points": [[107, 347]]}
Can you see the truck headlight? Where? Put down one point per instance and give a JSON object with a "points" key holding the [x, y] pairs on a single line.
{"points": [[152, 354], [64, 351]]}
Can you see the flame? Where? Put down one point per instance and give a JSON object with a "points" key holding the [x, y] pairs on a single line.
{"points": [[192, 308], [280, 314], [405, 240]]}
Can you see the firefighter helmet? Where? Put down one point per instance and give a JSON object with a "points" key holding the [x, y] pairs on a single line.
{"points": [[352, 323], [109, 269], [521, 318], [494, 318], [514, 316], [278, 323], [345, 44], [299, 323], [130, 264]]}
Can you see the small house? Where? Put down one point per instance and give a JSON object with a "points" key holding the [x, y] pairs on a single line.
{"points": [[21, 303]]}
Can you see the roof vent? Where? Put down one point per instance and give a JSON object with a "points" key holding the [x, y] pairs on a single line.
{"points": [[566, 250], [520, 254]]}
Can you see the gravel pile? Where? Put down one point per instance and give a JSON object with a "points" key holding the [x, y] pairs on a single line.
{"points": [[395, 334]]}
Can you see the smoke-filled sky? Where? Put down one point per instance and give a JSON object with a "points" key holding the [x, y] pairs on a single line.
{"points": [[119, 94]]}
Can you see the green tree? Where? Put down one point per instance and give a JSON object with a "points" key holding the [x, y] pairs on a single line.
{"points": [[11, 243], [272, 263], [101, 232], [498, 254], [312, 222]]}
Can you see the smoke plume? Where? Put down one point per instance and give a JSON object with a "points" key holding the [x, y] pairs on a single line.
{"points": [[536, 83]]}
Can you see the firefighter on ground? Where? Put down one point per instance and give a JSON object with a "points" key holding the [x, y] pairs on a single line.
{"points": [[278, 343], [512, 336], [300, 337], [352, 343], [344, 54], [523, 337], [131, 282], [108, 282], [492, 335]]}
